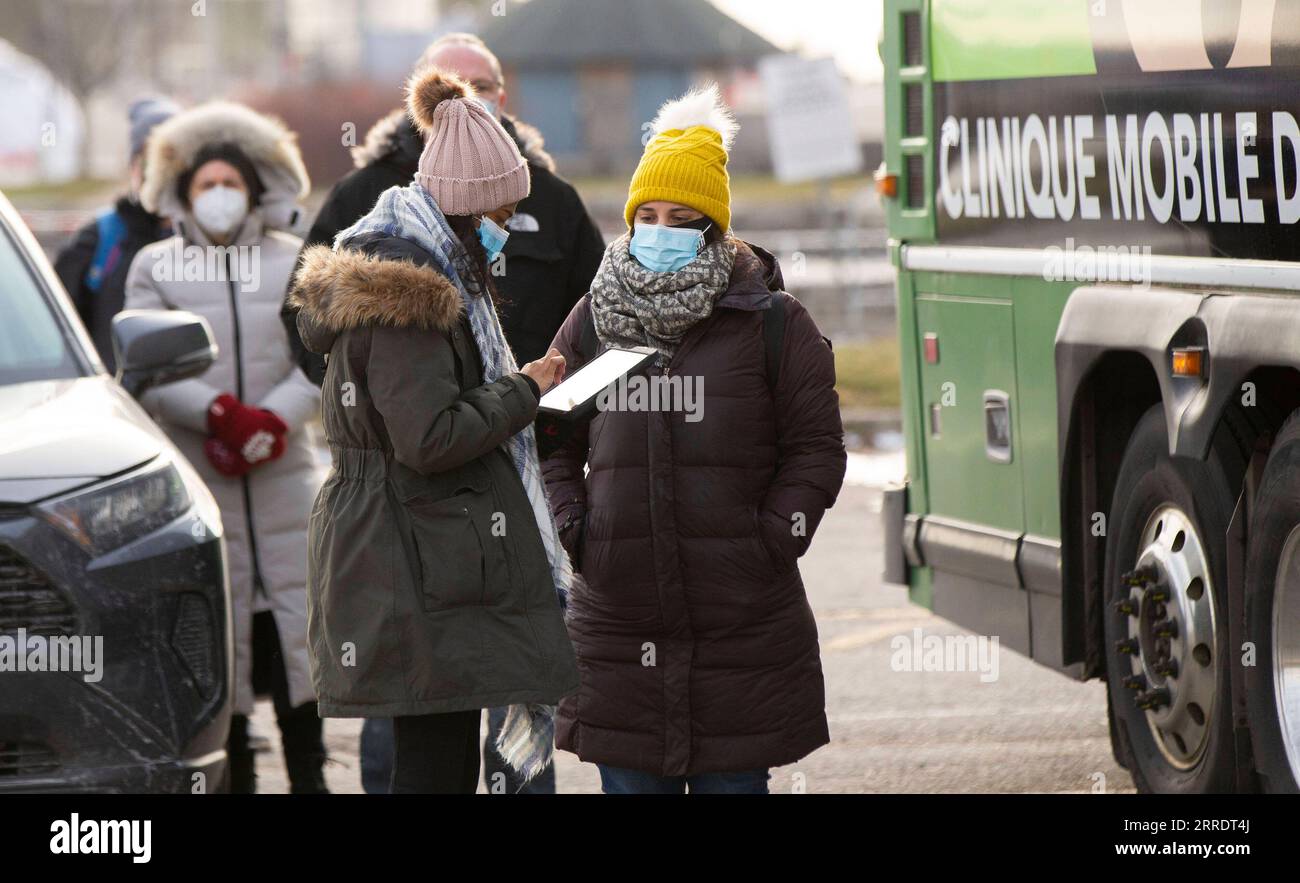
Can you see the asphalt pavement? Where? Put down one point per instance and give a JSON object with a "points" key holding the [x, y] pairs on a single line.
{"points": [[892, 730]]}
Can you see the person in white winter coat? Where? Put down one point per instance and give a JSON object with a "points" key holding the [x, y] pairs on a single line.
{"points": [[229, 179]]}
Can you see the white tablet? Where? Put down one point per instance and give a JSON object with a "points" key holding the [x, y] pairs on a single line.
{"points": [[576, 396]]}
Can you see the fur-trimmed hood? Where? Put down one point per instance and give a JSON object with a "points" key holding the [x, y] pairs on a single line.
{"points": [[530, 141], [395, 134], [344, 289], [268, 143]]}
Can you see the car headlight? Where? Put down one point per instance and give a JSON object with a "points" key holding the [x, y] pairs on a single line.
{"points": [[110, 515], [207, 514]]}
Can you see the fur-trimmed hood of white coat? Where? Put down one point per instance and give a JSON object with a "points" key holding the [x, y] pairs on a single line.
{"points": [[268, 143]]}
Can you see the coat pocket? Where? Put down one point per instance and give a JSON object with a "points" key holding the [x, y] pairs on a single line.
{"points": [[449, 551], [764, 546]]}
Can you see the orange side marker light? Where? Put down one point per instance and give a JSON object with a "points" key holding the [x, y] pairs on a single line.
{"points": [[1189, 362]]}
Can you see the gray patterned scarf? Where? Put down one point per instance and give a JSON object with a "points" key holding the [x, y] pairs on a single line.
{"points": [[634, 306]]}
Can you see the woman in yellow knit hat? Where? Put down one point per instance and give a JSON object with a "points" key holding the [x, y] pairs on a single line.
{"points": [[686, 502]]}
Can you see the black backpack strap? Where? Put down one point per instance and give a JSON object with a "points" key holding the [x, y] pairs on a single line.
{"points": [[589, 343], [774, 337]]}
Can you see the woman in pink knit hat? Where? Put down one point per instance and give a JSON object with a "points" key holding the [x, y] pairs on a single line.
{"points": [[436, 575]]}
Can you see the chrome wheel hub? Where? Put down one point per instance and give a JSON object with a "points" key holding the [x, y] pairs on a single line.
{"points": [[1169, 614], [1286, 649]]}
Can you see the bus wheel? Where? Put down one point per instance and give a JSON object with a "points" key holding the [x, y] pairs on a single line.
{"points": [[1273, 616], [1165, 618]]}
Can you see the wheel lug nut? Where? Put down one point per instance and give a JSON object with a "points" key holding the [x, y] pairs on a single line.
{"points": [[1139, 577], [1157, 595], [1126, 607], [1135, 682], [1167, 628], [1152, 698], [1168, 668], [1130, 647]]}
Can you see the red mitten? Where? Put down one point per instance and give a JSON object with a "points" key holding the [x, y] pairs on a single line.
{"points": [[254, 435], [224, 460]]}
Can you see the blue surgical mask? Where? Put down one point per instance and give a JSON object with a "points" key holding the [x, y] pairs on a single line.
{"points": [[492, 236], [492, 107], [665, 249]]}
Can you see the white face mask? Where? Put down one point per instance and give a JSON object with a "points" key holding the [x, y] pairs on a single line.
{"points": [[220, 210]]}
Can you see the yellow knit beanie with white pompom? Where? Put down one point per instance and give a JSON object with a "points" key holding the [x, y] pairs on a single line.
{"points": [[686, 161]]}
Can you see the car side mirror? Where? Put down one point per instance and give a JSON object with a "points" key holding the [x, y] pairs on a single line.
{"points": [[153, 347]]}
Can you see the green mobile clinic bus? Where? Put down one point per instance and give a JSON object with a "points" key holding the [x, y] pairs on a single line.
{"points": [[1093, 210]]}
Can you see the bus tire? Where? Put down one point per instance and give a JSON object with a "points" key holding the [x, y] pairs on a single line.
{"points": [[1272, 559], [1165, 617], [1119, 747]]}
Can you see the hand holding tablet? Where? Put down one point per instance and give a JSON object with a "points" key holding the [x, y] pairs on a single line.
{"points": [[546, 371]]}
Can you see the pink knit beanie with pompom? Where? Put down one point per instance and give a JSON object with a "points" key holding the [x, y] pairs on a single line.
{"points": [[470, 165]]}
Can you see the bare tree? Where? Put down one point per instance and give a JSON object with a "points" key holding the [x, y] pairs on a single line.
{"points": [[80, 41]]}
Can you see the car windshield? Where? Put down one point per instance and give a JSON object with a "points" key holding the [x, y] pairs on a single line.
{"points": [[33, 345]]}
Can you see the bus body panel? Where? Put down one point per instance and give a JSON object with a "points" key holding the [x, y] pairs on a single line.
{"points": [[1060, 252], [978, 511]]}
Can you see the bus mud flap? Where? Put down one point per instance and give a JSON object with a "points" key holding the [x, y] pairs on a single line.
{"points": [[1245, 766]]}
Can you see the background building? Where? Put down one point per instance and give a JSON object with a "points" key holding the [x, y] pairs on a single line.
{"points": [[591, 74], [43, 134]]}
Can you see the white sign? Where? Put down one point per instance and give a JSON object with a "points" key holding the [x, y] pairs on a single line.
{"points": [[809, 121]]}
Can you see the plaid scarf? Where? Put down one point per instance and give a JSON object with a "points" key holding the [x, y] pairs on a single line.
{"points": [[527, 739], [635, 306]]}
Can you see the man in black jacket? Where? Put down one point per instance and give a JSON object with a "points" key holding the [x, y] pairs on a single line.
{"points": [[93, 266], [552, 254]]}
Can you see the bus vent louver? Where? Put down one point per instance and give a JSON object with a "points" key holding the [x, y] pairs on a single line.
{"points": [[912, 55], [914, 110], [915, 181]]}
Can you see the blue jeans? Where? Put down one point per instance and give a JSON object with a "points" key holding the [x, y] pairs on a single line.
{"points": [[377, 760], [616, 780], [377, 755]]}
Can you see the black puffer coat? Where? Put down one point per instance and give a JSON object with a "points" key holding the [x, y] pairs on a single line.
{"points": [[696, 645]]}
